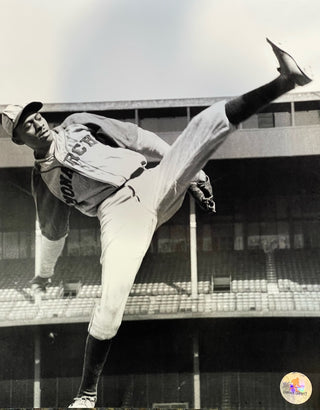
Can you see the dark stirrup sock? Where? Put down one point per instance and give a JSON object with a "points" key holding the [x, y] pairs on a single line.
{"points": [[95, 356], [241, 108]]}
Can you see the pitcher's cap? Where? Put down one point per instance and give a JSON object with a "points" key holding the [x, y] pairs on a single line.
{"points": [[12, 115]]}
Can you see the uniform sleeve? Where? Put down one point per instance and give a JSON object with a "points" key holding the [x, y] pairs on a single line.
{"points": [[151, 145], [122, 134]]}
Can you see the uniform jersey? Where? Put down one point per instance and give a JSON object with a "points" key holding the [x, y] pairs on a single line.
{"points": [[57, 186], [82, 172]]}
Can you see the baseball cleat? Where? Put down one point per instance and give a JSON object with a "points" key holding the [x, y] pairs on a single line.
{"points": [[83, 402], [288, 66], [39, 284]]}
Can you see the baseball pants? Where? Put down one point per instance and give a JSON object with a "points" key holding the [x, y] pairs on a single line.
{"points": [[129, 218]]}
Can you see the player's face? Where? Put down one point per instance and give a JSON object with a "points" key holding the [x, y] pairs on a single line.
{"points": [[34, 131]]}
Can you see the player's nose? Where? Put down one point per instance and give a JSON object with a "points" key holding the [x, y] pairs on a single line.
{"points": [[38, 125]]}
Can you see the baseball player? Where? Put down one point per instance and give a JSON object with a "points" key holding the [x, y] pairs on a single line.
{"points": [[98, 165]]}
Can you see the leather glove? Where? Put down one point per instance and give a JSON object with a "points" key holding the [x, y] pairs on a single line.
{"points": [[203, 194]]}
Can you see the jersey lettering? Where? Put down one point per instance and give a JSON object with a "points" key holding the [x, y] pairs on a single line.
{"points": [[88, 139], [78, 149], [72, 159], [65, 181], [67, 191], [66, 186], [68, 172]]}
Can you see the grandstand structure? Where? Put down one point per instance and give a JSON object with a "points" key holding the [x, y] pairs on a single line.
{"points": [[223, 305]]}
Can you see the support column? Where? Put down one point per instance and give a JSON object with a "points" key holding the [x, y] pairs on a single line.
{"points": [[37, 248], [238, 236], [293, 120], [37, 256], [193, 249], [37, 369], [136, 116], [193, 238], [196, 371]]}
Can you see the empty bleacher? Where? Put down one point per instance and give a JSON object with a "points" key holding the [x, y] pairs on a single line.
{"points": [[15, 275], [163, 286], [170, 273], [298, 269]]}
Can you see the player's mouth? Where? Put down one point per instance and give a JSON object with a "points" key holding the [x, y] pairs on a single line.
{"points": [[44, 134]]}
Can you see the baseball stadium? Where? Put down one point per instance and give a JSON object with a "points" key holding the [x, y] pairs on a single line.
{"points": [[224, 305]]}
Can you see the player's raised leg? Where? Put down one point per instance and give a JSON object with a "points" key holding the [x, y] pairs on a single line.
{"points": [[205, 133]]}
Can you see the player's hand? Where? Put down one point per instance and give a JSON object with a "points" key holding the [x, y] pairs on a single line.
{"points": [[203, 194], [39, 284]]}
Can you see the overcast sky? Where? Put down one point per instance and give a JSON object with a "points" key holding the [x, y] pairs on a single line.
{"points": [[105, 50]]}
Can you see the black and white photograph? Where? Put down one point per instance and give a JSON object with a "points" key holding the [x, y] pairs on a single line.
{"points": [[160, 204]]}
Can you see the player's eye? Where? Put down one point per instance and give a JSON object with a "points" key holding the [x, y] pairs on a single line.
{"points": [[27, 125], [37, 117]]}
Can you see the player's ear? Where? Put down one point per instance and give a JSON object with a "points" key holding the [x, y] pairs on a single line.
{"points": [[17, 136]]}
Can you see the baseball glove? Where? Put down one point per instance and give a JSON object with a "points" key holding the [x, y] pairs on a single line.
{"points": [[203, 194]]}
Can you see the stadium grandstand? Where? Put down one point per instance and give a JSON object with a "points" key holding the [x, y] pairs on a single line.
{"points": [[223, 306]]}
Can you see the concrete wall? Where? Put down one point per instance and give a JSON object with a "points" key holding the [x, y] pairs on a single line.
{"points": [[245, 143]]}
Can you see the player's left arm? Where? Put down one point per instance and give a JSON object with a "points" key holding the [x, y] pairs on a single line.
{"points": [[53, 216]]}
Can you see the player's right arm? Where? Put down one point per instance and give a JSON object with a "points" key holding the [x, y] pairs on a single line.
{"points": [[53, 216], [121, 134]]}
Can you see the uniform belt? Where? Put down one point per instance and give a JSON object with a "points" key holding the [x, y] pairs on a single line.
{"points": [[137, 172]]}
